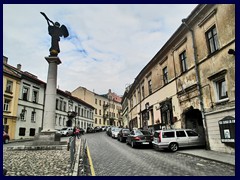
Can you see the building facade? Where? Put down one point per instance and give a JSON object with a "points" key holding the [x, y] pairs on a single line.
{"points": [[11, 88], [190, 82], [24, 98], [107, 106]]}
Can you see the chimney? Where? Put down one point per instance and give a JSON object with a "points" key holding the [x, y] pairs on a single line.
{"points": [[19, 66], [5, 60]]}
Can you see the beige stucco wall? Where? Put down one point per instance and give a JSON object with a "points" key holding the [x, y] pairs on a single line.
{"points": [[214, 131]]}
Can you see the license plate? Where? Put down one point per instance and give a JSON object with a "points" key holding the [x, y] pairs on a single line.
{"points": [[145, 142]]}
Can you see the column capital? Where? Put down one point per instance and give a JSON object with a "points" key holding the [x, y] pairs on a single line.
{"points": [[53, 59]]}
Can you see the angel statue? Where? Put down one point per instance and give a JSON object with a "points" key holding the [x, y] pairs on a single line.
{"points": [[55, 31]]}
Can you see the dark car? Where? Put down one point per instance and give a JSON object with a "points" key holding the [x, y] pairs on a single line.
{"points": [[90, 130], [6, 137], [139, 137], [82, 132], [122, 135], [98, 129]]}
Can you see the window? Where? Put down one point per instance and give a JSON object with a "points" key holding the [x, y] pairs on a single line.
{"points": [[57, 104], [23, 114], [100, 112], [60, 104], [6, 104], [59, 121], [100, 121], [95, 101], [168, 134], [32, 132], [22, 131], [212, 39], [95, 120], [9, 86], [35, 96], [25, 93], [165, 75], [100, 103], [95, 111], [64, 121], [33, 116], [64, 106], [150, 86], [221, 89], [143, 91], [191, 133], [183, 63], [180, 134]]}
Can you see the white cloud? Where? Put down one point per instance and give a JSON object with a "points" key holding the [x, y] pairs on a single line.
{"points": [[108, 44]]}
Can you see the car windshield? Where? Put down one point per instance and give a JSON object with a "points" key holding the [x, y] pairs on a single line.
{"points": [[138, 133], [126, 130], [117, 129], [64, 129]]}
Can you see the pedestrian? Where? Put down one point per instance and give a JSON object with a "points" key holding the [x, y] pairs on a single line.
{"points": [[77, 132]]}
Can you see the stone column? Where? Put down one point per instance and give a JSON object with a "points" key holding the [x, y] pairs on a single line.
{"points": [[50, 98], [48, 135]]}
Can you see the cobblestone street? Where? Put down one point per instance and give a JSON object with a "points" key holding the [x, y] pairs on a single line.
{"points": [[112, 158], [37, 162]]}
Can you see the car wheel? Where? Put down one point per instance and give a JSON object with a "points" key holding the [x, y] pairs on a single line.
{"points": [[6, 141], [133, 144], [173, 147]]}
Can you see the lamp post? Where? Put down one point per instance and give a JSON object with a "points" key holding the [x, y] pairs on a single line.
{"points": [[71, 115]]}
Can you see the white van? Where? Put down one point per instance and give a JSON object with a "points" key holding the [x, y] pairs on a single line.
{"points": [[68, 131], [173, 139]]}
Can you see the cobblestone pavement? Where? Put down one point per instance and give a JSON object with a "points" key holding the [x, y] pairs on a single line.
{"points": [[113, 158], [36, 162]]}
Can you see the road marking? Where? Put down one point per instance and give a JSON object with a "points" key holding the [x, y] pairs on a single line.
{"points": [[90, 162]]}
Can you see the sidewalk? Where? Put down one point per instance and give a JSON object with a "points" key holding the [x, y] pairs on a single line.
{"points": [[212, 155]]}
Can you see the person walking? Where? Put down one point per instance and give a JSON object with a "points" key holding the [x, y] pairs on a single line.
{"points": [[77, 132]]}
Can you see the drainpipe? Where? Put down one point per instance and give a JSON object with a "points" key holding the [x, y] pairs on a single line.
{"points": [[198, 83]]}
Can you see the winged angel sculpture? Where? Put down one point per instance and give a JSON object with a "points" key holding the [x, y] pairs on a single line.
{"points": [[55, 31]]}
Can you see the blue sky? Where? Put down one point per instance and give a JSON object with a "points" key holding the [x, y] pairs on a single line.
{"points": [[107, 47]]}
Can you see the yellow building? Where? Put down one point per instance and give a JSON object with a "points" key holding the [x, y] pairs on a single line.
{"points": [[11, 87]]}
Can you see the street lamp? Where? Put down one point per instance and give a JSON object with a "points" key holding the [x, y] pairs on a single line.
{"points": [[71, 115]]}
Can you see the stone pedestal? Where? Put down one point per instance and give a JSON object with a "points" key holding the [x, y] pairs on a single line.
{"points": [[47, 138], [48, 135]]}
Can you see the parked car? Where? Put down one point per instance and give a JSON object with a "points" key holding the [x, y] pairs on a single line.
{"points": [[82, 131], [68, 131], [115, 132], [6, 137], [173, 139], [104, 128], [122, 135], [90, 130], [139, 137], [109, 131], [98, 129]]}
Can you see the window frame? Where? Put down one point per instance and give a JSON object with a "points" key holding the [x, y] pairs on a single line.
{"points": [[165, 75], [9, 86], [183, 61], [212, 39], [25, 97], [6, 105]]}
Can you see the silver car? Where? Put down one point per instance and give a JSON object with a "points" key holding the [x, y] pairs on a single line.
{"points": [[173, 139]]}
